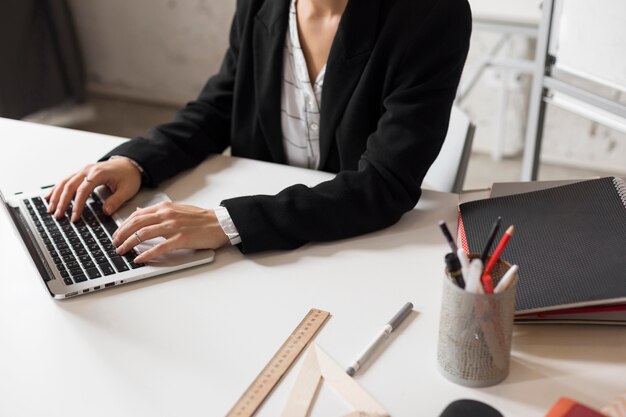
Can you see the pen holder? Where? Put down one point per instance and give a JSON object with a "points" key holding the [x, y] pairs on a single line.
{"points": [[475, 332]]}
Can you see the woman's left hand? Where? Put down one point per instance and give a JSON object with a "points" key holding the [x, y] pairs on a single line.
{"points": [[182, 226]]}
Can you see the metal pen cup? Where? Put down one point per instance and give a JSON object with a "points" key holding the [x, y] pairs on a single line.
{"points": [[475, 332]]}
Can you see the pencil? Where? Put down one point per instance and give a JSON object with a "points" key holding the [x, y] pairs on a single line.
{"points": [[492, 236], [507, 279], [486, 278]]}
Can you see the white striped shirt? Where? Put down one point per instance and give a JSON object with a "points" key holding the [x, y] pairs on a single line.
{"points": [[300, 104]]}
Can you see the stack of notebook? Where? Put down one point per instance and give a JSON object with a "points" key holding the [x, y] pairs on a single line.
{"points": [[570, 245]]}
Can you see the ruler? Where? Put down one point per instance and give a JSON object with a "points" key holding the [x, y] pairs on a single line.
{"points": [[280, 363]]}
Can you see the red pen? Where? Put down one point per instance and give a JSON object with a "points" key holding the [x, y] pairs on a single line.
{"points": [[486, 277]]}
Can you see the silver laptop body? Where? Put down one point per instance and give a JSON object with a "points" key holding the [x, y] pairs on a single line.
{"points": [[78, 258]]}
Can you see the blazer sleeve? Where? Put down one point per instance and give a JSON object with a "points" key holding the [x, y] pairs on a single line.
{"points": [[398, 153], [201, 128]]}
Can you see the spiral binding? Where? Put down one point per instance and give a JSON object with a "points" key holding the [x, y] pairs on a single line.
{"points": [[620, 187]]}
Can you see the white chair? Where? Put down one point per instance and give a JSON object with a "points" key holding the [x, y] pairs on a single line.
{"points": [[447, 173]]}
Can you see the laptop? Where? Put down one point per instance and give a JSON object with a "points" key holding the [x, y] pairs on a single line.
{"points": [[78, 258]]}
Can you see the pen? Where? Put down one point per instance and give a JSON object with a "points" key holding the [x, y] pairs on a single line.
{"points": [[382, 336], [448, 235], [486, 278], [454, 269], [507, 280], [492, 236]]}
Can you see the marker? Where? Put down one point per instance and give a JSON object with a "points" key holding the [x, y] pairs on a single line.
{"points": [[382, 336], [492, 236], [448, 235], [507, 280], [486, 278], [454, 269]]}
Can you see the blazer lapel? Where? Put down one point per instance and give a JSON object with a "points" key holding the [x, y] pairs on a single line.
{"points": [[348, 56], [268, 42]]}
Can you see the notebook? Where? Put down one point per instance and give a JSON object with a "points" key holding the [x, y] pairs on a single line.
{"points": [[79, 258], [569, 244]]}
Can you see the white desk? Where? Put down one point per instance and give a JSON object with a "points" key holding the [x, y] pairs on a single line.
{"points": [[190, 343]]}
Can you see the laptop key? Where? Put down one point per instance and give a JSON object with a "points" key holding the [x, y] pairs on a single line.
{"points": [[80, 278], [119, 263], [101, 259], [106, 268], [93, 273], [76, 271], [68, 281], [84, 258], [135, 266], [69, 258], [109, 225]]}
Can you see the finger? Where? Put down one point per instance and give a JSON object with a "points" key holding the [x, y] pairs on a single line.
{"points": [[119, 197], [56, 193], [131, 226], [139, 211], [129, 218], [68, 193], [82, 194], [144, 234], [161, 248]]}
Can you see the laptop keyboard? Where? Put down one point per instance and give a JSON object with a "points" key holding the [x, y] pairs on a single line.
{"points": [[80, 250]]}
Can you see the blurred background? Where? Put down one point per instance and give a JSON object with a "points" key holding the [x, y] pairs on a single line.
{"points": [[119, 67]]}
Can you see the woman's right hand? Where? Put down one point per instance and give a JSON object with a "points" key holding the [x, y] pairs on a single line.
{"points": [[119, 174]]}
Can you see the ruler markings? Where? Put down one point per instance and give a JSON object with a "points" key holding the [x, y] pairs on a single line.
{"points": [[279, 364]]}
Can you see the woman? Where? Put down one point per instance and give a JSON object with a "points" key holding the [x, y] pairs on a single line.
{"points": [[361, 88]]}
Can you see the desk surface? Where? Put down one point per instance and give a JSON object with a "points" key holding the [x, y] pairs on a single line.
{"points": [[188, 344]]}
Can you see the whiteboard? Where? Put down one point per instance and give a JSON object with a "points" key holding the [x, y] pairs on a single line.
{"points": [[591, 40]]}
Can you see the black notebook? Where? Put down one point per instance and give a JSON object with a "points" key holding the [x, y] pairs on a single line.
{"points": [[569, 243]]}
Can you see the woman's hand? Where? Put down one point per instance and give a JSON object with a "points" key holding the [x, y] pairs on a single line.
{"points": [[120, 175], [182, 226]]}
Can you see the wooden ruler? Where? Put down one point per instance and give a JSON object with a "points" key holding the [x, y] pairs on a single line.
{"points": [[280, 363]]}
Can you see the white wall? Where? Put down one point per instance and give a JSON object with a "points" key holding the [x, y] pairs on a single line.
{"points": [[164, 50], [161, 50]]}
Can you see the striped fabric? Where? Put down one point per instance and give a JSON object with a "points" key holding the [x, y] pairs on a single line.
{"points": [[300, 102]]}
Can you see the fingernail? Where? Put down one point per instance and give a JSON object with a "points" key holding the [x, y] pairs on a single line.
{"points": [[107, 209], [138, 260], [118, 251]]}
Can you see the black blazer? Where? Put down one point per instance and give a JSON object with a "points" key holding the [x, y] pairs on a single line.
{"points": [[391, 77]]}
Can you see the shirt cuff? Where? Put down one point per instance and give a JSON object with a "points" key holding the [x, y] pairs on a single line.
{"points": [[132, 161], [223, 217]]}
